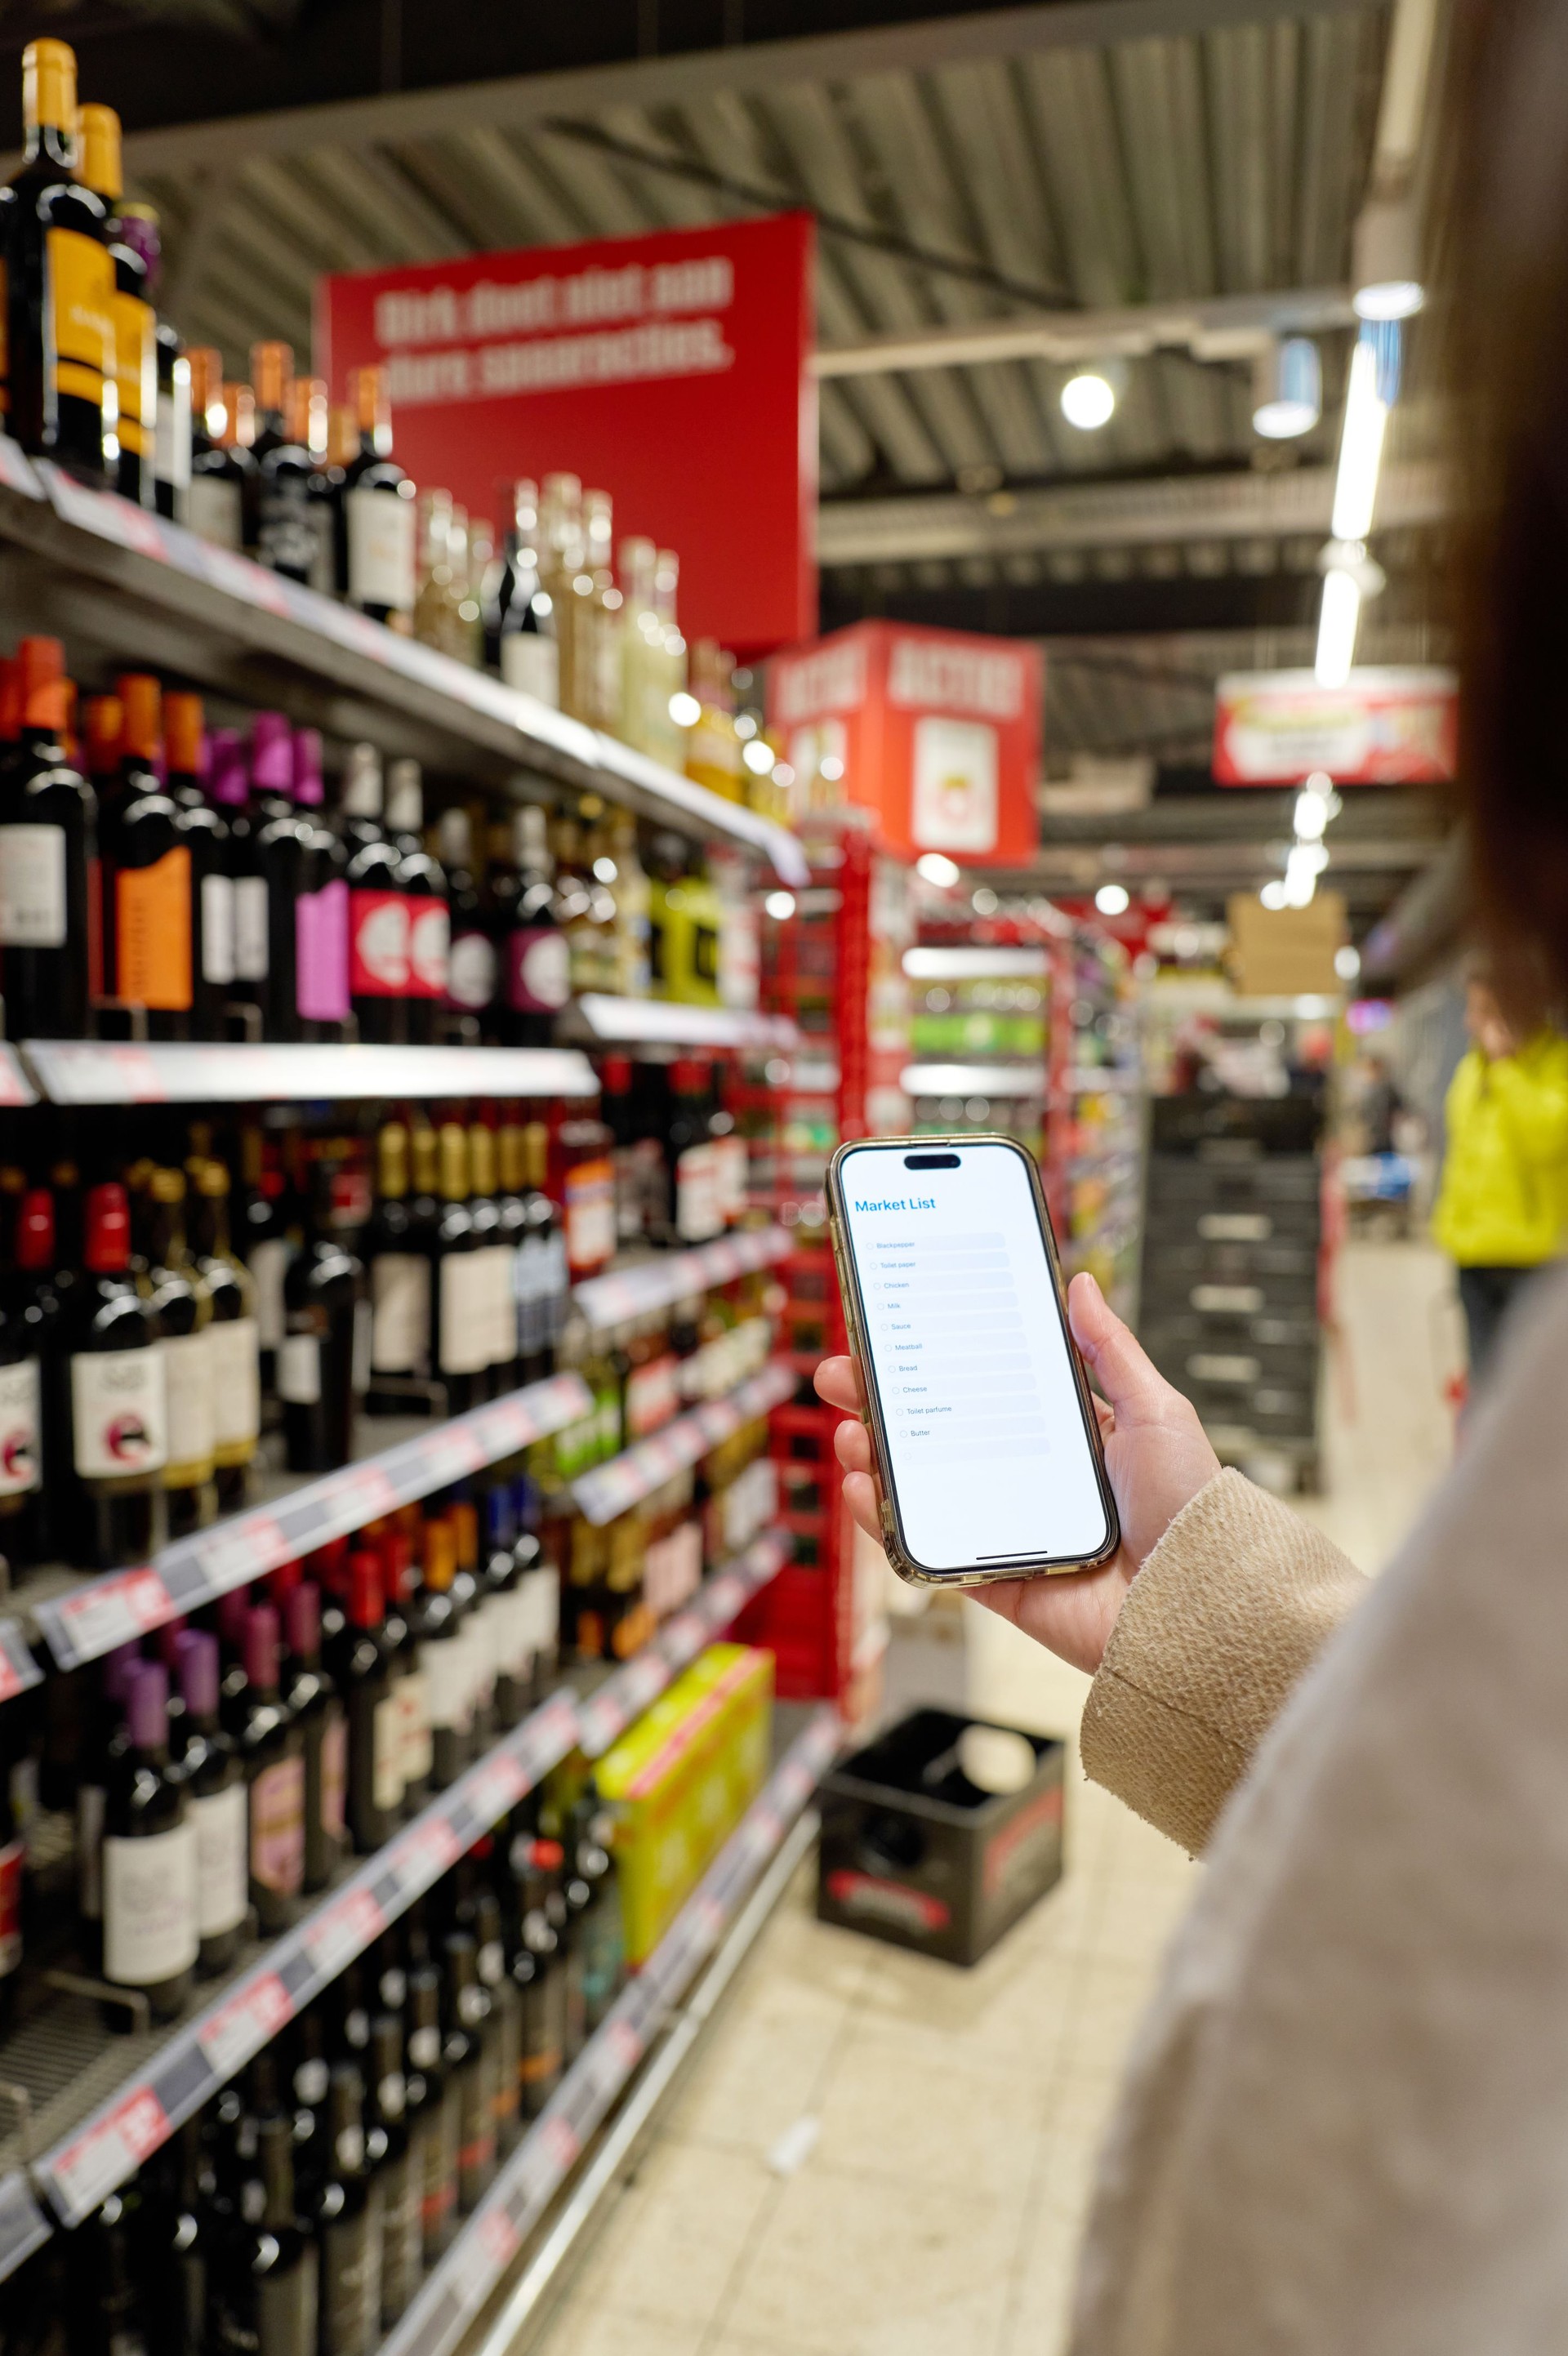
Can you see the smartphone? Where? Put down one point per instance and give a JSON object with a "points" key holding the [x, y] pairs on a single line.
{"points": [[986, 1442]]}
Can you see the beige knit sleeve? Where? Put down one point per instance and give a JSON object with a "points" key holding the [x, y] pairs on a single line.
{"points": [[1230, 1609]]}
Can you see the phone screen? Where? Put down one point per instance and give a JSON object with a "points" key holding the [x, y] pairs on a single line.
{"points": [[970, 1358]]}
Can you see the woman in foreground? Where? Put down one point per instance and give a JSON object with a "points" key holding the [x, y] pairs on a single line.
{"points": [[1344, 2127]]}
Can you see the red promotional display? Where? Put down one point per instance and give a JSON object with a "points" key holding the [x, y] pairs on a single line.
{"points": [[669, 371], [1384, 727], [937, 732]]}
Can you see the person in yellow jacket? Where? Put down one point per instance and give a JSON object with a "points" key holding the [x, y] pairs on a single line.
{"points": [[1503, 1200]]}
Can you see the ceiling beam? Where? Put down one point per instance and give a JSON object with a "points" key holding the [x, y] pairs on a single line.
{"points": [[1231, 327], [514, 101], [1139, 607]]}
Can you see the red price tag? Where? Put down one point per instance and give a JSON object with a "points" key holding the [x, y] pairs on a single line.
{"points": [[345, 1931], [90, 2169], [243, 2024], [499, 2240], [561, 2143], [424, 1853], [242, 1551], [495, 1787], [113, 1610]]}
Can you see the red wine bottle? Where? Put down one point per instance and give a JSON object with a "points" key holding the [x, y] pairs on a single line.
{"points": [[118, 1416], [397, 2161], [30, 1407], [319, 1378], [364, 1678], [349, 2221], [214, 1784], [149, 1863], [273, 1749], [49, 863], [318, 1711]]}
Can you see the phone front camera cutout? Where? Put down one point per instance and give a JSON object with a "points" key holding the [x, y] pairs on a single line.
{"points": [[930, 1161]]}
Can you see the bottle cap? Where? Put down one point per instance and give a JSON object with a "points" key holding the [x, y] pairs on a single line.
{"points": [[185, 734], [141, 716], [199, 1672], [304, 1621], [271, 367], [306, 413], [239, 417], [10, 701], [308, 788], [206, 384], [405, 798], [546, 1856], [97, 164], [104, 719], [466, 1531], [233, 1615], [440, 1551], [367, 1596], [262, 1648], [281, 1582], [362, 782], [615, 1074], [41, 666], [272, 754], [397, 1562], [34, 1241], [501, 1515], [146, 1706], [228, 777], [120, 1666], [328, 1566], [49, 86], [107, 1248], [170, 1636]]}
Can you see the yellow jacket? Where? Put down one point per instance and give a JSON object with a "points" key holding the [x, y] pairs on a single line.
{"points": [[1504, 1194]]}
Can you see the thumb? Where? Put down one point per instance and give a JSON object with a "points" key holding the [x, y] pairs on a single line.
{"points": [[1135, 1389]]}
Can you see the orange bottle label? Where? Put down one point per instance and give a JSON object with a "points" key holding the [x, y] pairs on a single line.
{"points": [[136, 370], [152, 921], [82, 295]]}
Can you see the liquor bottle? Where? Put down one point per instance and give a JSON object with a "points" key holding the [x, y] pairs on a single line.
{"points": [[544, 1290], [285, 539], [408, 1687], [153, 864], [132, 326], [185, 761], [378, 906], [502, 1612], [32, 1409], [307, 428], [176, 1291], [377, 548], [317, 1708], [221, 468], [266, 2294], [149, 1859], [60, 280], [511, 1207], [363, 1675], [469, 1596], [266, 1242], [272, 373], [467, 549], [272, 1749], [171, 436], [594, 1894], [119, 1422], [307, 2077], [350, 2225], [571, 590], [397, 1256], [433, 600], [319, 1377], [49, 854], [424, 888], [643, 723], [233, 1338], [343, 449], [175, 2251], [321, 915], [285, 854], [606, 617], [215, 1791], [535, 972], [102, 2306], [504, 2031], [537, 1970], [432, 2101], [525, 651], [473, 968], [666, 579], [443, 1657], [13, 1851], [397, 2157], [494, 1278], [459, 1308], [470, 2067]]}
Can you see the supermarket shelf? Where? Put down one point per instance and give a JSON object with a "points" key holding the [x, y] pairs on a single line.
{"points": [[664, 1278], [972, 1079], [477, 2260], [614, 1487], [661, 1022], [158, 2080], [976, 964], [95, 1615], [16, 1084], [126, 585], [105, 1072]]}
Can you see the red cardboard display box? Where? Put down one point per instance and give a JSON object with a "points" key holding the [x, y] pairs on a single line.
{"points": [[936, 731]]}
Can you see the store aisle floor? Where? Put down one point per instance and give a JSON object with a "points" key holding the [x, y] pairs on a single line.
{"points": [[957, 2115]]}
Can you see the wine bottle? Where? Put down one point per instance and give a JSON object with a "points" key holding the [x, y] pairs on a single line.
{"points": [[151, 882], [469, 1597], [364, 1678], [132, 327], [186, 756], [473, 969], [284, 528], [594, 1894], [266, 2297], [117, 1400], [321, 916], [102, 2307], [350, 2221], [171, 435], [317, 1710], [149, 1861], [504, 1607], [319, 1378], [228, 787], [526, 653], [466, 2013], [221, 468], [60, 280], [214, 1783], [535, 973], [399, 1263], [397, 2159], [48, 850], [493, 1278], [443, 1657], [378, 906], [537, 1970], [176, 1291], [424, 888], [285, 851], [504, 2028], [31, 1407], [432, 2099], [307, 428], [511, 1207], [233, 1340], [272, 1749], [13, 1851], [458, 1313], [377, 554], [176, 2187]]}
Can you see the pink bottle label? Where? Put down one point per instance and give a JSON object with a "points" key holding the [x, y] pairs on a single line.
{"points": [[538, 979], [335, 1776], [429, 942], [378, 944], [321, 953], [278, 1827]]}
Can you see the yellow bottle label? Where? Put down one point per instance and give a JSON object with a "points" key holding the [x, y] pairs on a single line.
{"points": [[152, 918], [82, 295], [135, 371]]}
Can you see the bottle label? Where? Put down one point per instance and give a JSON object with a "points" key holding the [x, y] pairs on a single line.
{"points": [[287, 2308], [414, 1722], [465, 1337], [321, 953], [189, 1389], [10, 1906], [234, 1344], [334, 1773], [697, 1214], [400, 2234], [21, 1457], [286, 534], [531, 663], [381, 550], [152, 917], [149, 1907], [501, 1288], [590, 1215], [217, 929], [81, 298], [214, 511], [439, 2199], [538, 970], [223, 1890], [119, 1413], [323, 549], [136, 370], [732, 1176], [378, 945], [386, 1746], [269, 1264], [429, 948], [171, 437], [250, 928], [278, 1827], [32, 887], [400, 1310], [448, 1689], [471, 972], [299, 1370], [351, 2283]]}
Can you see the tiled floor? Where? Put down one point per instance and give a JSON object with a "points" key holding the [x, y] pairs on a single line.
{"points": [[958, 2114]]}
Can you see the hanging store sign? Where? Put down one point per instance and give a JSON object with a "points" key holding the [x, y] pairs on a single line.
{"points": [[1384, 727], [937, 733], [669, 371]]}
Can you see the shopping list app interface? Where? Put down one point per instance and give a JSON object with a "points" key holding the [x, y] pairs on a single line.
{"points": [[971, 1364]]}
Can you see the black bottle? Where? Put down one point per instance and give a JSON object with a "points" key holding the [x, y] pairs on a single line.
{"points": [[537, 1969], [149, 1861], [473, 967], [469, 2066], [60, 280], [397, 2160], [176, 1291], [114, 1496], [362, 1670], [460, 1309], [214, 1783], [317, 1710], [48, 850], [184, 751], [349, 2221], [31, 1400], [424, 888], [221, 467], [432, 2104], [304, 2060], [319, 1379], [592, 1898], [378, 906], [376, 553], [172, 2243], [285, 854], [104, 2310], [284, 528], [229, 789], [273, 1749], [266, 2297], [503, 2029], [397, 1256], [443, 1661], [535, 981], [132, 340], [505, 1621]]}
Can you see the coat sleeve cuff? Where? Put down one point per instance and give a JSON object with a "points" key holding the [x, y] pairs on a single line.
{"points": [[1230, 1609]]}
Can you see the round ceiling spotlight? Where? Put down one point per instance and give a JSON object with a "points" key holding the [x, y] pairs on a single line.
{"points": [[1089, 397], [1112, 899], [1287, 389]]}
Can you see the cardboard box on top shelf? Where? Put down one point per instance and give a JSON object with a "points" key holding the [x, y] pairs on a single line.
{"points": [[1285, 952]]}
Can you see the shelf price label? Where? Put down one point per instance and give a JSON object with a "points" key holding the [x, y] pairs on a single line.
{"points": [[243, 2024], [18, 1670], [344, 1931], [110, 1612], [87, 2170], [424, 1853]]}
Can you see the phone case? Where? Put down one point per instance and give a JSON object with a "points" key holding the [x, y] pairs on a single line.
{"points": [[914, 1573]]}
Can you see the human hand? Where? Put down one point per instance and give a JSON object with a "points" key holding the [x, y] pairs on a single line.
{"points": [[1155, 1452]]}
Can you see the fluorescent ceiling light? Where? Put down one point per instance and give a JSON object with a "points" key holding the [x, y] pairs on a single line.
{"points": [[1337, 625], [1088, 400], [1360, 446], [1112, 899], [1386, 259], [1287, 389]]}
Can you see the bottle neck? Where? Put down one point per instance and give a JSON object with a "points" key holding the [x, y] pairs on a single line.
{"points": [[49, 143]]}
